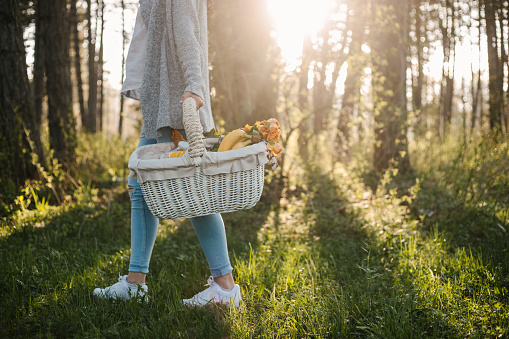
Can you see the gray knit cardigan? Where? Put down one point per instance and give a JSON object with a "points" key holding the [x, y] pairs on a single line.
{"points": [[176, 61]]}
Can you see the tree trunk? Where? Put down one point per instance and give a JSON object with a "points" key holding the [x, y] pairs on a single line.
{"points": [[449, 96], [307, 56], [418, 81], [389, 48], [464, 110], [101, 67], [38, 72], [503, 61], [91, 125], [62, 126], [121, 113], [495, 98], [242, 77], [447, 86], [477, 91], [16, 106], [77, 59], [320, 103], [352, 82]]}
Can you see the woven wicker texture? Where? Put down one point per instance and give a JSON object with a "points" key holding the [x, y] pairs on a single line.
{"points": [[202, 194]]}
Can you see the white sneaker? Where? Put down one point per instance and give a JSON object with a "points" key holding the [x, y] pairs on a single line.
{"points": [[215, 294], [123, 290]]}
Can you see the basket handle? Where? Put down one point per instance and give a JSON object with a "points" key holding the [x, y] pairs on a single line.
{"points": [[193, 128]]}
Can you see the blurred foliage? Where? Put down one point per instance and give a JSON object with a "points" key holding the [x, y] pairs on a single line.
{"points": [[244, 62], [100, 162]]}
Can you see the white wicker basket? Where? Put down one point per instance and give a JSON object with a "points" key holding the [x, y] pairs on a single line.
{"points": [[198, 183]]}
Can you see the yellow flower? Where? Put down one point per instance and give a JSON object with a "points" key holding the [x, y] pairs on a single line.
{"points": [[247, 128]]}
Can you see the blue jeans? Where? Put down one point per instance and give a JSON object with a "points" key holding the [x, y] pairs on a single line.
{"points": [[144, 225]]}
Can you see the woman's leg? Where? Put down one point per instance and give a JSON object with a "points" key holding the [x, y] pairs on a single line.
{"points": [[143, 234], [212, 237], [144, 227], [144, 224]]}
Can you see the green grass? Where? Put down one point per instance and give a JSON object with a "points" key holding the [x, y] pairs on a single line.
{"points": [[327, 253]]}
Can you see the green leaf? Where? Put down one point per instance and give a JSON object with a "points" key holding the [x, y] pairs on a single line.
{"points": [[213, 133]]}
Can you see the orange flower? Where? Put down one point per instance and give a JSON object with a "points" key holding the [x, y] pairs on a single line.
{"points": [[264, 130], [273, 121], [274, 135], [273, 127], [277, 149]]}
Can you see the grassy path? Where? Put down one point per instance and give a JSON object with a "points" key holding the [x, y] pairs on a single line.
{"points": [[322, 255]]}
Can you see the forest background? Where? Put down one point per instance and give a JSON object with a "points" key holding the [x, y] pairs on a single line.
{"points": [[394, 115]]}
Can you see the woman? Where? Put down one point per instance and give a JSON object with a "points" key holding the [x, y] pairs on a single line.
{"points": [[167, 63]]}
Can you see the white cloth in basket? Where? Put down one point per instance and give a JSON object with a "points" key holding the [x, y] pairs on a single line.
{"points": [[145, 163]]}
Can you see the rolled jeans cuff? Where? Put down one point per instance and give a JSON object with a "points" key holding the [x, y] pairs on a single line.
{"points": [[219, 272], [138, 269]]}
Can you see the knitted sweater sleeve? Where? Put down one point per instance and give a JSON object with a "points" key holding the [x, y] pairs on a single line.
{"points": [[186, 30]]}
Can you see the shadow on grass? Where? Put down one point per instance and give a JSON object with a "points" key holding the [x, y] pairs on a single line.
{"points": [[457, 265], [477, 229], [42, 258], [355, 260]]}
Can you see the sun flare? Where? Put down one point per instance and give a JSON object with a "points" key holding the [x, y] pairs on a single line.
{"points": [[294, 20]]}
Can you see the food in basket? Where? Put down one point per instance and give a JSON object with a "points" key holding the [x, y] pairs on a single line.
{"points": [[180, 151], [266, 130], [241, 144], [233, 138], [176, 154], [176, 136]]}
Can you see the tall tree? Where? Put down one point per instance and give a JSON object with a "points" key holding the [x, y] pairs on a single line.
{"points": [[502, 19], [243, 57], [101, 64], [496, 77], [38, 70], [476, 85], [420, 38], [73, 13], [91, 125], [18, 128], [388, 36], [62, 126], [331, 48], [303, 74], [121, 113], [353, 78], [504, 32], [447, 22]]}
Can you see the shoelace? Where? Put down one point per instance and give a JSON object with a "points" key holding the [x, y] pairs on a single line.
{"points": [[210, 280], [123, 282]]}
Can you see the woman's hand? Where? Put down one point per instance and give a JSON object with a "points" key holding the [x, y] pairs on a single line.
{"points": [[199, 101]]}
